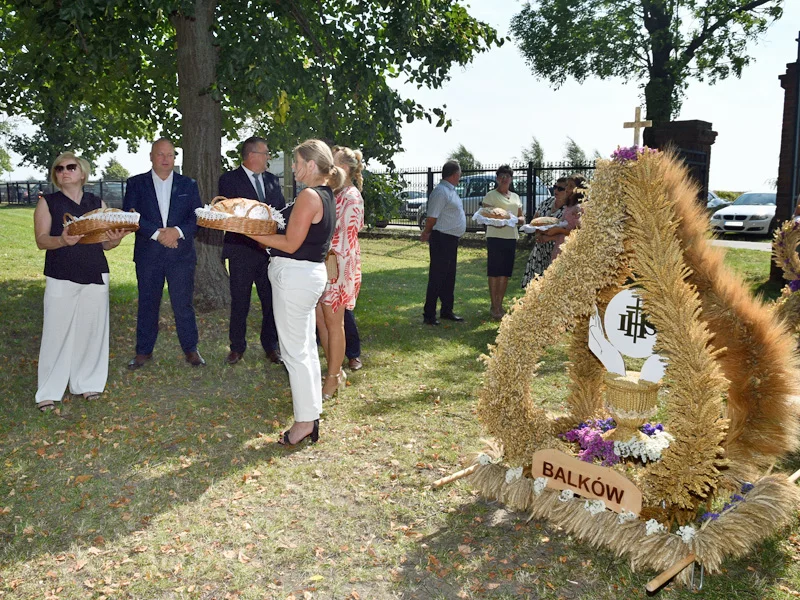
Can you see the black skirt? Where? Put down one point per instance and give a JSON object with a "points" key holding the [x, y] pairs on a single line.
{"points": [[500, 259]]}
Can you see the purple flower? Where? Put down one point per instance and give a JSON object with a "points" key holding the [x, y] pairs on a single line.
{"points": [[630, 153], [625, 154], [709, 516], [746, 487], [605, 424], [590, 439], [794, 285], [650, 430]]}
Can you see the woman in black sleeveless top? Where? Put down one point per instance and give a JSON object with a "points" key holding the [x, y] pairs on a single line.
{"points": [[298, 277], [74, 347]]}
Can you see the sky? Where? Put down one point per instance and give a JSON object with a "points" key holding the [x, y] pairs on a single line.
{"points": [[497, 106]]}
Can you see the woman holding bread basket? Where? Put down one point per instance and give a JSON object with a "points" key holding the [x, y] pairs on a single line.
{"points": [[541, 254], [74, 347], [298, 277], [501, 242]]}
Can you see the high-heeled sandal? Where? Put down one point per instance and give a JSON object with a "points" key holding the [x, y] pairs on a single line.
{"points": [[314, 435], [341, 383]]}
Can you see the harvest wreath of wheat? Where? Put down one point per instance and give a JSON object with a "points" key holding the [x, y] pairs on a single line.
{"points": [[697, 487]]}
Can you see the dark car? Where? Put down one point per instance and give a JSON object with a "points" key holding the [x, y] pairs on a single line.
{"points": [[714, 202], [410, 201]]}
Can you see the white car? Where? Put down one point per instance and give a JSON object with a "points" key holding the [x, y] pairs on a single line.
{"points": [[751, 213]]}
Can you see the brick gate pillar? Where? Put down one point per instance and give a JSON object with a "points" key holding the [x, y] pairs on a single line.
{"points": [[693, 141], [789, 159]]}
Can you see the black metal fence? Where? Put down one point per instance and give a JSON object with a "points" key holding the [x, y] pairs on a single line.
{"points": [[533, 183], [28, 192]]}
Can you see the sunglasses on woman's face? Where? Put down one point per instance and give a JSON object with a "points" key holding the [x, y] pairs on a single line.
{"points": [[559, 188], [69, 167]]}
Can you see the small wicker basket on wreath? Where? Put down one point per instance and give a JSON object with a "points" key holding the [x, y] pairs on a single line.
{"points": [[631, 401], [240, 215], [95, 224]]}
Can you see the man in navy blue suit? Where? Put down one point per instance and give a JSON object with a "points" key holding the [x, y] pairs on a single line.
{"points": [[247, 261], [164, 250]]}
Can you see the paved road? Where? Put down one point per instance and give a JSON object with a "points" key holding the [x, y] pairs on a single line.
{"points": [[765, 246]]}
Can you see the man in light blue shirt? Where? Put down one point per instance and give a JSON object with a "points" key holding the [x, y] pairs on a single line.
{"points": [[445, 224]]}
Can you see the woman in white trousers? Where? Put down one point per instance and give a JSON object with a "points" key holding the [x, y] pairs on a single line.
{"points": [[297, 274], [74, 346]]}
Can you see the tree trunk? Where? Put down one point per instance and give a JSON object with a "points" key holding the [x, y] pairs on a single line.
{"points": [[660, 88], [202, 142]]}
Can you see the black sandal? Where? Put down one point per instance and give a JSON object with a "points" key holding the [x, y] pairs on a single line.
{"points": [[314, 435], [46, 406]]}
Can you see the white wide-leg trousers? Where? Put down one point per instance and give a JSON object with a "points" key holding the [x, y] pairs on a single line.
{"points": [[296, 288], [74, 346]]}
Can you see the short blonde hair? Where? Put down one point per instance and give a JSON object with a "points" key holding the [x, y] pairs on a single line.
{"points": [[82, 163], [353, 159], [320, 153]]}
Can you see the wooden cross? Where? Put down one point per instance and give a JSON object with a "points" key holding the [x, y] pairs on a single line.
{"points": [[637, 124]]}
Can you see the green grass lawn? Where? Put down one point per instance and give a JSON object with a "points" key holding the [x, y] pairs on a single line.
{"points": [[171, 486]]}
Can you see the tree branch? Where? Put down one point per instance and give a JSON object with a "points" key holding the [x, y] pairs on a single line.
{"points": [[688, 54]]}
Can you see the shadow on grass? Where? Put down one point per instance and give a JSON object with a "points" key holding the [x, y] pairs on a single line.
{"points": [[158, 438], [487, 551]]}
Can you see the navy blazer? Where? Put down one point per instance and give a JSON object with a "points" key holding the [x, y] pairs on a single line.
{"points": [[140, 195], [237, 184]]}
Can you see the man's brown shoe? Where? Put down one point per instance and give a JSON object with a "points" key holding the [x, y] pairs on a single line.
{"points": [[275, 357], [194, 359], [234, 357], [355, 364], [138, 361]]}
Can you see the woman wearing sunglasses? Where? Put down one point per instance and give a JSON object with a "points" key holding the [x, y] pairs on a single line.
{"points": [[74, 347], [540, 257]]}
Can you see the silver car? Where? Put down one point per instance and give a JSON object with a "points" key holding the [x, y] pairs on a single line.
{"points": [[473, 188]]}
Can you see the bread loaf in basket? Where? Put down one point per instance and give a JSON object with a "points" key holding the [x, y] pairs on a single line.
{"points": [[240, 215], [95, 224]]}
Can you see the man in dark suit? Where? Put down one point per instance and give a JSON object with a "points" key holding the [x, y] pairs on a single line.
{"points": [[164, 250], [247, 261]]}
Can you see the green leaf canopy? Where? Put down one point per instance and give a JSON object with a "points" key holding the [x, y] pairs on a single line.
{"points": [[662, 43]]}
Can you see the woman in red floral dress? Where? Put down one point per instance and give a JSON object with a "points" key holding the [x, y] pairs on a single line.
{"points": [[342, 291]]}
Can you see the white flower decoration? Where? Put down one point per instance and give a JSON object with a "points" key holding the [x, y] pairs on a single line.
{"points": [[513, 474], [484, 459], [653, 526], [594, 506], [539, 484], [566, 495], [648, 449], [626, 516], [686, 533]]}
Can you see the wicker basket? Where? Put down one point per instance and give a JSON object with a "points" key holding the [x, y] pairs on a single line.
{"points": [[631, 402], [244, 225], [94, 231]]}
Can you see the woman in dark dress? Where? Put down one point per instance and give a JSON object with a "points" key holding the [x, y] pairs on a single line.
{"points": [[74, 347], [540, 256], [298, 277]]}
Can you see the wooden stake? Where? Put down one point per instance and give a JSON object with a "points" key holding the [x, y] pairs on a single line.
{"points": [[656, 583], [454, 477], [794, 477]]}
